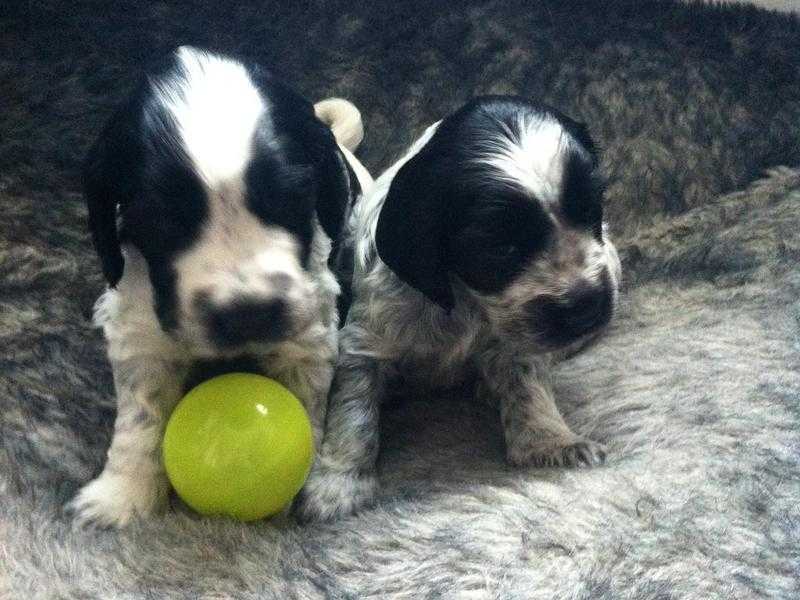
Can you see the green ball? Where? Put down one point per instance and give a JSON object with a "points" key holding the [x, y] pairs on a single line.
{"points": [[238, 445]]}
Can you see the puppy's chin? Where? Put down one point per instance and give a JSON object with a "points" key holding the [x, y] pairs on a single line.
{"points": [[567, 343], [547, 337], [558, 335], [205, 349]]}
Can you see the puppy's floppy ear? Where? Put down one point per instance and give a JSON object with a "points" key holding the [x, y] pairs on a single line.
{"points": [[109, 180], [335, 189], [344, 121], [411, 236], [335, 194]]}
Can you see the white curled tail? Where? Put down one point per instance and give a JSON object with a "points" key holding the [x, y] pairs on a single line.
{"points": [[344, 119]]}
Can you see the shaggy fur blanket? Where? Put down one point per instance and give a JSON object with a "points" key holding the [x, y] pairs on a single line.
{"points": [[695, 390]]}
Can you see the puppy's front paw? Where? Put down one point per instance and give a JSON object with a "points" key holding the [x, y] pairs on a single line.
{"points": [[567, 451], [114, 500], [330, 494]]}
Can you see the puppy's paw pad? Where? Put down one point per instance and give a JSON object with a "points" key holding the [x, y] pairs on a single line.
{"points": [[329, 495], [114, 500], [568, 452]]}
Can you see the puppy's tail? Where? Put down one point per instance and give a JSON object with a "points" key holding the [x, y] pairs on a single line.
{"points": [[344, 119]]}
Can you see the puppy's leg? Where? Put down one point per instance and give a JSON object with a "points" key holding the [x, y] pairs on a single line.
{"points": [[534, 429], [133, 482], [343, 478]]}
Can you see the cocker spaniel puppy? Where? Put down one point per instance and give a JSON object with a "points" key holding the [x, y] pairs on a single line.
{"points": [[217, 200], [480, 256]]}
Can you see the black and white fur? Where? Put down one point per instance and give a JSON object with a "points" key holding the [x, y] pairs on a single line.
{"points": [[215, 196], [480, 256]]}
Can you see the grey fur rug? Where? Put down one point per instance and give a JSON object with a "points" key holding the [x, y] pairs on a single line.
{"points": [[695, 390]]}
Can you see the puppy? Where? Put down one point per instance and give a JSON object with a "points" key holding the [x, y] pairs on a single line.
{"points": [[480, 255], [216, 202]]}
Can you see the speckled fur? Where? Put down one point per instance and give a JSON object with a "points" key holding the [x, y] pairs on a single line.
{"points": [[394, 336], [695, 389]]}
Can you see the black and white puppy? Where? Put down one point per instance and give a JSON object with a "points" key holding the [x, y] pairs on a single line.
{"points": [[215, 197], [480, 256]]}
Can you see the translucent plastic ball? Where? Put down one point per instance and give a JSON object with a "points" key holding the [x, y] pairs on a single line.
{"points": [[238, 445]]}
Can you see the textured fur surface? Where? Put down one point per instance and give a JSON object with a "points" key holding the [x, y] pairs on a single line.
{"points": [[695, 390]]}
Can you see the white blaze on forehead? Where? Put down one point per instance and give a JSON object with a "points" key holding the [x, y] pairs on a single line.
{"points": [[216, 108], [532, 155]]}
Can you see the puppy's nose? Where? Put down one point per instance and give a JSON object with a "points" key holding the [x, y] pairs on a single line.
{"points": [[248, 321], [586, 306], [583, 309]]}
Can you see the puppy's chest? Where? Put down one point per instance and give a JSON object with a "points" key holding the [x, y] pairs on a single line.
{"points": [[204, 369], [439, 359]]}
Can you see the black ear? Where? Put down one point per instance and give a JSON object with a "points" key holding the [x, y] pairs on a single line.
{"points": [[111, 176], [102, 215], [411, 235], [335, 193], [99, 180]]}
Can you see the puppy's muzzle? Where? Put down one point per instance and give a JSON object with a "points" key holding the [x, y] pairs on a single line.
{"points": [[583, 310], [249, 319], [244, 322]]}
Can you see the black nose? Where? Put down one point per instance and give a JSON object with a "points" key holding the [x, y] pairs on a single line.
{"points": [[586, 306], [248, 321], [582, 310]]}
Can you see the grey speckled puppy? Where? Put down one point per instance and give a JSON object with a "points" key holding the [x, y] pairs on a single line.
{"points": [[480, 254]]}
